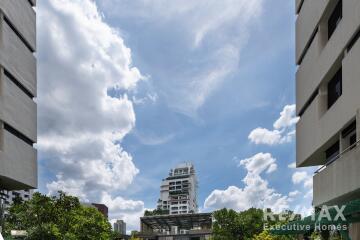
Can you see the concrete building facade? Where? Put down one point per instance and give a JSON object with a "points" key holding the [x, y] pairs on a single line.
{"points": [[10, 196], [120, 227], [178, 192], [328, 97], [18, 124]]}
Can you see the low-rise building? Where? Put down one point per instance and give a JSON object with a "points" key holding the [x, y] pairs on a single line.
{"points": [[176, 227]]}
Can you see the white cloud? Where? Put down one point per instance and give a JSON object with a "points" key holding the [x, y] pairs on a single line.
{"points": [[256, 192], [292, 165], [80, 125], [153, 139], [283, 131], [309, 183], [259, 163], [128, 210], [299, 176], [220, 34], [200, 18], [287, 117], [294, 193], [265, 136]]}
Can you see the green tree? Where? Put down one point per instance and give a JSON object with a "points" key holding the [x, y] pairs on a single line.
{"points": [[227, 225], [57, 218], [252, 222], [156, 212]]}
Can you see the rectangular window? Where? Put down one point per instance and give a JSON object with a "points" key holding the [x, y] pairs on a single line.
{"points": [[332, 152], [349, 129], [334, 19], [352, 141], [349, 136], [335, 88]]}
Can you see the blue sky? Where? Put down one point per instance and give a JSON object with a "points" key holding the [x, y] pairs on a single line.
{"points": [[140, 86]]}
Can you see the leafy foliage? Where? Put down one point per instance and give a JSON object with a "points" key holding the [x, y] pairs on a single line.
{"points": [[156, 212], [246, 225], [57, 218]]}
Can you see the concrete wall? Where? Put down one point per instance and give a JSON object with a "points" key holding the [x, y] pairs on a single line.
{"points": [[306, 23], [23, 17], [18, 158], [18, 163], [318, 127], [17, 58], [17, 109], [339, 182]]}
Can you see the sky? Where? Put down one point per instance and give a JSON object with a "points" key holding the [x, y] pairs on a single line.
{"points": [[128, 89]]}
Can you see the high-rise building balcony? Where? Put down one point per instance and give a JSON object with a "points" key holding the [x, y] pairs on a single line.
{"points": [[19, 171], [339, 181]]}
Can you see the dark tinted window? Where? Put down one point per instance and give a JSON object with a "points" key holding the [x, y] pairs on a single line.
{"points": [[335, 88], [332, 152], [334, 19], [352, 141]]}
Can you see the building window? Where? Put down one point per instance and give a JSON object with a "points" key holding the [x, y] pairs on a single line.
{"points": [[334, 19], [335, 88], [349, 136], [352, 141], [332, 152]]}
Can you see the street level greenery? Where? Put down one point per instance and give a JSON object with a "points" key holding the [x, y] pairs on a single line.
{"points": [[56, 218], [246, 225]]}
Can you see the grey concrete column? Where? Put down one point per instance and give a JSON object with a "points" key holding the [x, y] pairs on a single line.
{"points": [[322, 103]]}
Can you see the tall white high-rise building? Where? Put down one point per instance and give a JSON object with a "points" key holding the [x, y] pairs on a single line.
{"points": [[178, 192]]}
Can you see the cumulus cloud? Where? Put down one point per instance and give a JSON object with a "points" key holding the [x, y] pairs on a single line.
{"points": [[256, 192], [220, 35], [299, 177], [303, 177], [265, 136], [128, 210], [287, 117], [283, 131], [292, 165], [259, 163], [294, 193], [80, 124]]}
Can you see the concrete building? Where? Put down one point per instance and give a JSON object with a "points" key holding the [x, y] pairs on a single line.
{"points": [[120, 227], [328, 98], [18, 124], [196, 226], [101, 208], [10, 196], [178, 192]]}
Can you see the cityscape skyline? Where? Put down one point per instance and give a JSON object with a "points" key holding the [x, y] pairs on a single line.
{"points": [[221, 97]]}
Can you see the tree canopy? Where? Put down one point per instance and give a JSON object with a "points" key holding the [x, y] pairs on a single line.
{"points": [[56, 218], [245, 225]]}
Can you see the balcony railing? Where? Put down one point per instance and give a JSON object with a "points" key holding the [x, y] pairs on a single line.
{"points": [[351, 147]]}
